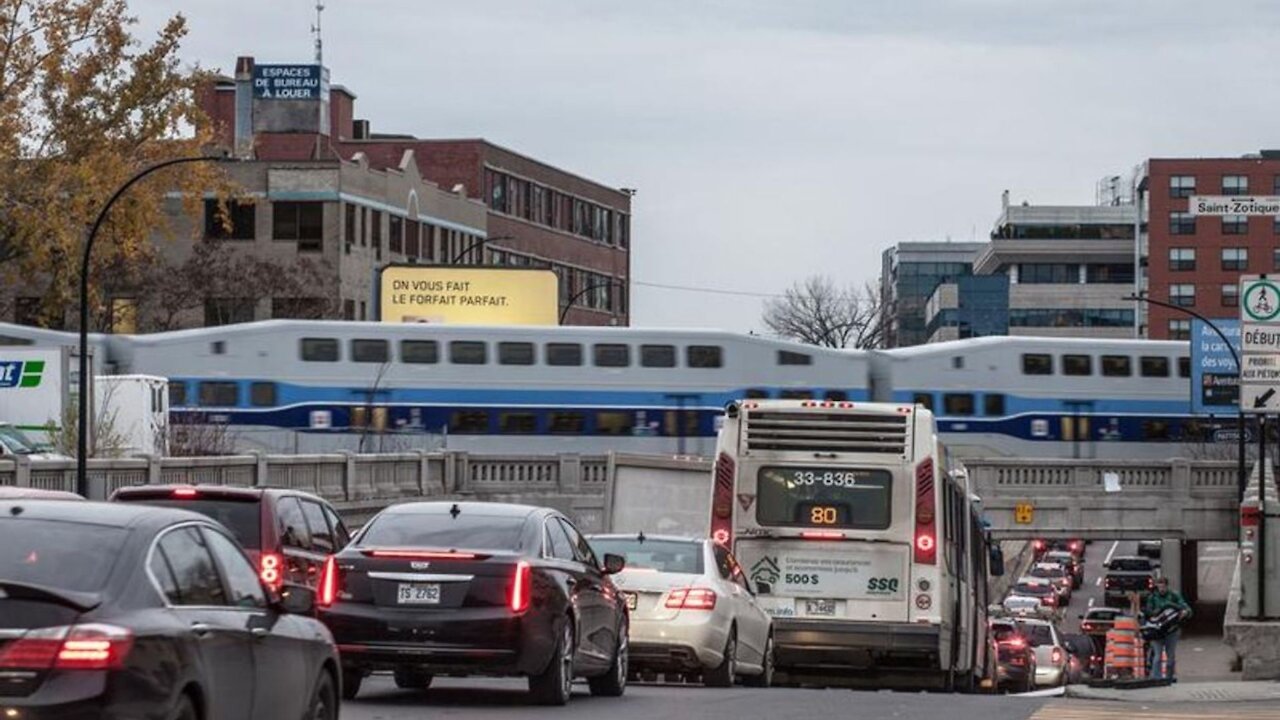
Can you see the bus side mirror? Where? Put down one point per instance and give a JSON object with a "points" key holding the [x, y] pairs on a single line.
{"points": [[997, 561]]}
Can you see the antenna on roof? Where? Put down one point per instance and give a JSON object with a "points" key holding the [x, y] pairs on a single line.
{"points": [[315, 30]]}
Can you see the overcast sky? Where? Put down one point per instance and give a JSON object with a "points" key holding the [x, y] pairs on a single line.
{"points": [[775, 139]]}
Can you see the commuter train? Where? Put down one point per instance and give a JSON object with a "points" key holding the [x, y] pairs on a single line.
{"points": [[307, 386]]}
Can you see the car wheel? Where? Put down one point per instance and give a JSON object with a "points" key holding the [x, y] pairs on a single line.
{"points": [[324, 706], [614, 682], [722, 675], [186, 709], [413, 679], [351, 680], [554, 685], [764, 679]]}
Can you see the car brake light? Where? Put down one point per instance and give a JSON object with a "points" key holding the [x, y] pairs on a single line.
{"points": [[270, 571], [79, 647], [1016, 642], [184, 492], [926, 544], [421, 554], [822, 535], [1038, 545], [328, 582], [692, 599], [1057, 656], [722, 502], [521, 587]]}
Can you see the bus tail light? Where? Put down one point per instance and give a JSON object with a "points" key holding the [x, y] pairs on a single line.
{"points": [[722, 502], [926, 537]]}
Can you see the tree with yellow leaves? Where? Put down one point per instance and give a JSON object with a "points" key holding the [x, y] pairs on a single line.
{"points": [[84, 106]]}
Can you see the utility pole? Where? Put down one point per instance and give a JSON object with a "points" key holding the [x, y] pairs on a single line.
{"points": [[315, 31]]}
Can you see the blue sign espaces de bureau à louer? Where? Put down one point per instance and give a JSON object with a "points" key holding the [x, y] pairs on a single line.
{"points": [[291, 82], [1215, 384]]}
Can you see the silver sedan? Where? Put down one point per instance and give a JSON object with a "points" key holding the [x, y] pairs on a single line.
{"points": [[693, 611]]}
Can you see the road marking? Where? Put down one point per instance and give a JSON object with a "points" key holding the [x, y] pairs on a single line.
{"points": [[1098, 582], [1067, 710], [1091, 601], [1111, 552]]}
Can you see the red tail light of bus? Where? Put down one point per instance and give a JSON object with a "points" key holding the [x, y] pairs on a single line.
{"points": [[926, 537], [722, 502]]}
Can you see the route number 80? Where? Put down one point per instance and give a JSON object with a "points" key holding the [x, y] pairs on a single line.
{"points": [[822, 515]]}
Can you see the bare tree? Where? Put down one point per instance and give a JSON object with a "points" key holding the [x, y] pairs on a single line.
{"points": [[818, 312]]}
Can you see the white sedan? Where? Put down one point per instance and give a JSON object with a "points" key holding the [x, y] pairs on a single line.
{"points": [[693, 610]]}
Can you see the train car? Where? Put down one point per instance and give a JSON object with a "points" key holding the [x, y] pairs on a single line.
{"points": [[1049, 397]]}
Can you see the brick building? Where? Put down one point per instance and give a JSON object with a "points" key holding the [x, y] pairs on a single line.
{"points": [[1195, 260]]}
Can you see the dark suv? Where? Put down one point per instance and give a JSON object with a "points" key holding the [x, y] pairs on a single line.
{"points": [[287, 533]]}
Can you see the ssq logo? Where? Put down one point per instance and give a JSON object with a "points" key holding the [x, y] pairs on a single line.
{"points": [[19, 374]]}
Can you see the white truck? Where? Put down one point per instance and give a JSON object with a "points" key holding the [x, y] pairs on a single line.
{"points": [[131, 415], [35, 390], [658, 496]]}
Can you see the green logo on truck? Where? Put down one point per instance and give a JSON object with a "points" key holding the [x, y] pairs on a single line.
{"points": [[21, 374]]}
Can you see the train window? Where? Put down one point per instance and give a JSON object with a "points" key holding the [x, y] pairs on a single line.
{"points": [[757, 394], [219, 394], [564, 354], [468, 352], [796, 394], [517, 423], [787, 357], [370, 351], [1154, 366], [218, 347], [1077, 365], [469, 422], [1155, 430], [614, 423], [515, 353], [957, 403], [704, 356], [1184, 366], [177, 393], [419, 352], [1037, 364], [1117, 365], [993, 404], [924, 400], [319, 350], [659, 356], [957, 362], [611, 355], [676, 423], [567, 423], [262, 394], [836, 396]]}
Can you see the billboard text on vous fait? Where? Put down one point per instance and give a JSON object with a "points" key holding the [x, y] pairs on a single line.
{"points": [[468, 296]]}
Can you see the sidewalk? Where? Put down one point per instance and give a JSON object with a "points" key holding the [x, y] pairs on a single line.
{"points": [[1186, 692]]}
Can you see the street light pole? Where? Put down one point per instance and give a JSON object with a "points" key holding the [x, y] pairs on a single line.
{"points": [[478, 242], [584, 291], [82, 421], [1242, 475]]}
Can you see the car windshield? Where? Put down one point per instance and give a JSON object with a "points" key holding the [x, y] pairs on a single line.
{"points": [[1034, 590], [1104, 615], [16, 441], [1131, 564], [1036, 633], [242, 517], [1046, 572], [57, 554], [1004, 632], [668, 556], [434, 529]]}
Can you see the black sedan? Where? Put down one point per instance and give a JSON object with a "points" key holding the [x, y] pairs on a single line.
{"points": [[124, 611], [477, 589]]}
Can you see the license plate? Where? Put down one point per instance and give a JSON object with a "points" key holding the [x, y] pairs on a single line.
{"points": [[418, 594], [631, 599], [819, 607]]}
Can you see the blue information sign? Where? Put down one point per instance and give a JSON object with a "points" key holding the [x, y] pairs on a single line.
{"points": [[291, 82], [1215, 386]]}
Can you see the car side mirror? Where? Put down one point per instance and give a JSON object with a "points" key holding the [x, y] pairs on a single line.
{"points": [[997, 561], [764, 588], [1106, 565], [613, 564], [298, 599]]}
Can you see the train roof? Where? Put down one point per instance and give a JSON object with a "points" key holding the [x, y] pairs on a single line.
{"points": [[1025, 341]]}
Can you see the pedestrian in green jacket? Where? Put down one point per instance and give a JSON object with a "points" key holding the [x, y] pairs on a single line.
{"points": [[1157, 601]]}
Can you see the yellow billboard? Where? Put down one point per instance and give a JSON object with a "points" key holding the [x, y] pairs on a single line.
{"points": [[468, 295]]}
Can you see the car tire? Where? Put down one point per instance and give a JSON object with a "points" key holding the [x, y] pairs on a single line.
{"points": [[554, 685], [186, 709], [723, 674], [324, 703], [614, 682], [351, 680], [764, 679], [413, 679]]}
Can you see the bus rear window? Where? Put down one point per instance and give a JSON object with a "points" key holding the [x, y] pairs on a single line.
{"points": [[824, 497]]}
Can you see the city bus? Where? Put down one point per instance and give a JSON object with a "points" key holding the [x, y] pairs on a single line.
{"points": [[861, 539]]}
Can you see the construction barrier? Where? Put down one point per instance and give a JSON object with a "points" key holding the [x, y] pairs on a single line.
{"points": [[1124, 657]]}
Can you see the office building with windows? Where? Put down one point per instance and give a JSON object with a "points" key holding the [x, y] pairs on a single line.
{"points": [[909, 272], [1195, 260]]}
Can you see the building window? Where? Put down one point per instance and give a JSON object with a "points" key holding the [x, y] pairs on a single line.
{"points": [[236, 222], [302, 222], [1181, 223], [348, 309], [1037, 364], [704, 356], [1235, 224], [1181, 186], [375, 233], [1077, 365], [1235, 258], [1179, 329], [658, 356], [318, 350], [1235, 185], [419, 352], [1048, 273], [1230, 295], [411, 239], [1183, 294], [1117, 366], [1182, 258], [395, 235], [467, 352], [124, 315], [227, 311], [349, 227], [957, 404], [1155, 365], [612, 355], [370, 351], [1275, 257], [564, 354], [515, 353]]}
